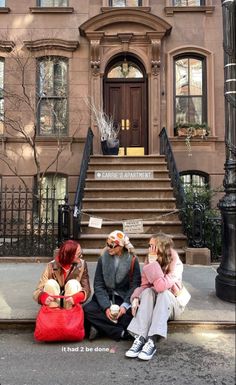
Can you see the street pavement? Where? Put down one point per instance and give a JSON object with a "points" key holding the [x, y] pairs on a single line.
{"points": [[202, 357]]}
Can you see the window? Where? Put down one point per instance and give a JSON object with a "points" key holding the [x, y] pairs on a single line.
{"points": [[2, 3], [125, 3], [1, 95], [190, 90], [196, 179], [52, 3], [52, 96], [188, 3], [125, 69], [53, 192]]}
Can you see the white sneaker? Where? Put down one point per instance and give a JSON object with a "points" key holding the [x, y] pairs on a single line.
{"points": [[136, 348], [148, 350]]}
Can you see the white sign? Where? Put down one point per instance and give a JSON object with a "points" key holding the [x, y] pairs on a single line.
{"points": [[95, 222], [133, 226], [114, 175]]}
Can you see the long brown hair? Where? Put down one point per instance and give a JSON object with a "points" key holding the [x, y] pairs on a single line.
{"points": [[164, 243]]}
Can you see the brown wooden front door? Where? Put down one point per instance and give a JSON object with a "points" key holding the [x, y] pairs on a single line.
{"points": [[126, 103]]}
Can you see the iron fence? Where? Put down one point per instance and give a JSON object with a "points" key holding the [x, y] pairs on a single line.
{"points": [[28, 222]]}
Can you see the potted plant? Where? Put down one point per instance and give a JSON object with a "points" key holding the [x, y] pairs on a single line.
{"points": [[190, 130], [108, 131]]}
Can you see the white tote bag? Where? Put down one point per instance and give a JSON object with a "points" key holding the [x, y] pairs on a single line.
{"points": [[183, 296]]}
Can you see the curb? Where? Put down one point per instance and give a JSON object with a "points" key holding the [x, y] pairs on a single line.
{"points": [[173, 326]]}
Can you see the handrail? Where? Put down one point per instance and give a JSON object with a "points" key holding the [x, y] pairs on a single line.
{"points": [[166, 149], [88, 150]]}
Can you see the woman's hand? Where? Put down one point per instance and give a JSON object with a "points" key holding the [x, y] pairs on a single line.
{"points": [[134, 307], [121, 312], [108, 314], [48, 300], [70, 300]]}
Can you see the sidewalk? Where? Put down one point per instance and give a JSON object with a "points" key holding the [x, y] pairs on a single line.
{"points": [[18, 281]]}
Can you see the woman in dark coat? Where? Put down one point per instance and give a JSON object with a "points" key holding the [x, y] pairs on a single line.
{"points": [[116, 277]]}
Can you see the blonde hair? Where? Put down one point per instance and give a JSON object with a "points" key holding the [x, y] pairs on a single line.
{"points": [[164, 244]]}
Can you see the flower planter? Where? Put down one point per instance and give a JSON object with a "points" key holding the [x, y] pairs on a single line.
{"points": [[110, 146]]}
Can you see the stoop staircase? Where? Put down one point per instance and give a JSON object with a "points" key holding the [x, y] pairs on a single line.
{"points": [[116, 200]]}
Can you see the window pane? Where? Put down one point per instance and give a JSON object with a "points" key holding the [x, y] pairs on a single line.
{"points": [[53, 188], [195, 110], [181, 71], [195, 74], [46, 78], [46, 117], [187, 3], [53, 3], [1, 115], [118, 3], [60, 78], [2, 3], [60, 113], [125, 70]]}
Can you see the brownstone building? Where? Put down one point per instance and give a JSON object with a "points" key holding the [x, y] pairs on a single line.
{"points": [[150, 64]]}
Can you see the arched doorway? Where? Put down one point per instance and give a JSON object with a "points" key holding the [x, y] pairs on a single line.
{"points": [[125, 99]]}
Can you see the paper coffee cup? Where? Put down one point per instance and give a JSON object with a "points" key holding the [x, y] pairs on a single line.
{"points": [[114, 309]]}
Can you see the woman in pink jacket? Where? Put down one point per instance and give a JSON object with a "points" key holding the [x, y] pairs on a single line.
{"points": [[154, 302]]}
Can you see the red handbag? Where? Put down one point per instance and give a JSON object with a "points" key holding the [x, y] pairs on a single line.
{"points": [[58, 324]]}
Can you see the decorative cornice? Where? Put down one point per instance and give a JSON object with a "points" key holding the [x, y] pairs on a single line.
{"points": [[127, 16], [6, 46], [40, 44], [51, 9]]}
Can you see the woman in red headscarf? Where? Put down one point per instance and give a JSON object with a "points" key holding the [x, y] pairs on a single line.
{"points": [[66, 275]]}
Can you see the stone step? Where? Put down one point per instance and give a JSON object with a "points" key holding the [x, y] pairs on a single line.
{"points": [[131, 203], [93, 254], [150, 227], [148, 183], [122, 214], [156, 174], [128, 166], [126, 159], [126, 192], [138, 240]]}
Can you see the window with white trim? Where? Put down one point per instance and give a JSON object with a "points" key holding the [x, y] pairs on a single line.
{"points": [[52, 96], [190, 90]]}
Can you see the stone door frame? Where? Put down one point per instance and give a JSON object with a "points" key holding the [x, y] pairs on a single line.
{"points": [[144, 41]]}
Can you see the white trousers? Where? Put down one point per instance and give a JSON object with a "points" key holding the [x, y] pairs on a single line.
{"points": [[52, 287], [154, 311]]}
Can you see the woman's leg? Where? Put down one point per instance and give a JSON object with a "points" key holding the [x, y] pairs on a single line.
{"points": [[96, 317], [71, 287], [166, 307], [52, 287], [140, 324]]}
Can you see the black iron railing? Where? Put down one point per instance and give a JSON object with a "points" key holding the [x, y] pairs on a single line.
{"points": [[202, 228], [27, 222], [166, 149], [69, 217]]}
